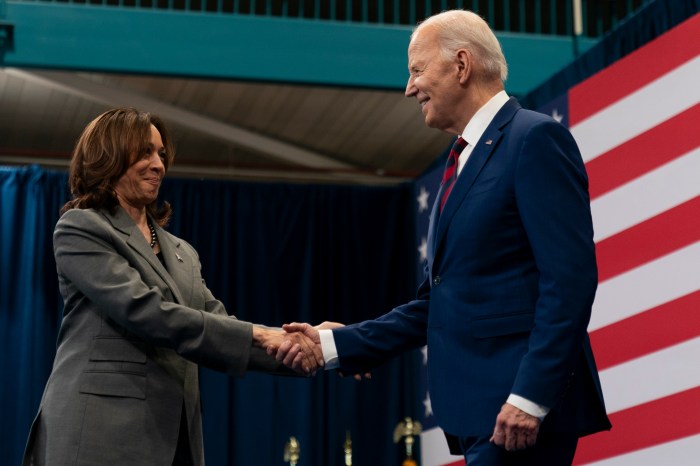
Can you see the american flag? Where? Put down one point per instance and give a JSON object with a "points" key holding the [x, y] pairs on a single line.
{"points": [[637, 124]]}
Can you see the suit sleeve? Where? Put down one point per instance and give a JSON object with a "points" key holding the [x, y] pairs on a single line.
{"points": [[259, 360], [368, 344], [554, 206], [87, 258]]}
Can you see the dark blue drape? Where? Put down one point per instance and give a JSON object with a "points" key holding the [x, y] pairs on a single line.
{"points": [[272, 253], [30, 305], [652, 20]]}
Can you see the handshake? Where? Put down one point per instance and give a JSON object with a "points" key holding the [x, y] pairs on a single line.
{"points": [[298, 346]]}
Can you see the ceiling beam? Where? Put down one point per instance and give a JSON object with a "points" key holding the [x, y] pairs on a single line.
{"points": [[75, 84]]}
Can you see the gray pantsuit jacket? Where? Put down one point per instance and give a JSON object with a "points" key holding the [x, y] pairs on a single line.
{"points": [[132, 335]]}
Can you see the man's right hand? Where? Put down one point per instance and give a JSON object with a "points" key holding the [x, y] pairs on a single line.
{"points": [[290, 354], [308, 353]]}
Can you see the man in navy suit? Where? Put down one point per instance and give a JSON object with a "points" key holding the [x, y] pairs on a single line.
{"points": [[511, 271]]}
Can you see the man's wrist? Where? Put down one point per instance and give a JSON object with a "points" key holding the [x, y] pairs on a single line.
{"points": [[530, 407]]}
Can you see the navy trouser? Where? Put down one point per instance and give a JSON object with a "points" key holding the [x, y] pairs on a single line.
{"points": [[552, 449]]}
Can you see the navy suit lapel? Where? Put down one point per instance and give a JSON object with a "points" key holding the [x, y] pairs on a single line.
{"points": [[434, 217], [482, 152]]}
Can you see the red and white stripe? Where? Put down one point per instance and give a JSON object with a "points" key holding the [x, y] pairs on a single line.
{"points": [[637, 124]]}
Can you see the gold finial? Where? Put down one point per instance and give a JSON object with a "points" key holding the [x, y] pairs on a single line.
{"points": [[407, 429], [347, 448], [292, 451]]}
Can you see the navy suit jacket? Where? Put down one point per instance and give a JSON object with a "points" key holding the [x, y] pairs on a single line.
{"points": [[509, 284]]}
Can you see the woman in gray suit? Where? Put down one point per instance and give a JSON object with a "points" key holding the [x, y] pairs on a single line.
{"points": [[138, 318]]}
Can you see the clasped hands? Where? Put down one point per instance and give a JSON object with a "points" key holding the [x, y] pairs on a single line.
{"points": [[298, 346]]}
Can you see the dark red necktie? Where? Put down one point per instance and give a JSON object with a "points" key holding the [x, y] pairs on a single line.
{"points": [[450, 175]]}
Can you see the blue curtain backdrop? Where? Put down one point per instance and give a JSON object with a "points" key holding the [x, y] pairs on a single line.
{"points": [[30, 306], [272, 253]]}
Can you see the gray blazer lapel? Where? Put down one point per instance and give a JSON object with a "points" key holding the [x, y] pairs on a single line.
{"points": [[125, 224], [180, 266]]}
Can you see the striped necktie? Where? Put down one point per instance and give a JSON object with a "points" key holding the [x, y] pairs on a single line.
{"points": [[450, 175]]}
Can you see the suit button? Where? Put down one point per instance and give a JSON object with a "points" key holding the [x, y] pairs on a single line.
{"points": [[437, 280]]}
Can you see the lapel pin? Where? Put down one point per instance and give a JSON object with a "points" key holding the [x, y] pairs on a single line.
{"points": [[488, 143], [178, 257]]}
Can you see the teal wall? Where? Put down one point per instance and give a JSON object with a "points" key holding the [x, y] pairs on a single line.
{"points": [[241, 47]]}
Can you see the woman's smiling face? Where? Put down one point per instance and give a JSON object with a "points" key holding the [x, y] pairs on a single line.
{"points": [[139, 186]]}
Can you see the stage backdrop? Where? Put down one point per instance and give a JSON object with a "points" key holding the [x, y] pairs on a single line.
{"points": [[637, 125], [272, 253]]}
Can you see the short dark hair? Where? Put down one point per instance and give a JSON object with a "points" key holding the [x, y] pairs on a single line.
{"points": [[108, 146]]}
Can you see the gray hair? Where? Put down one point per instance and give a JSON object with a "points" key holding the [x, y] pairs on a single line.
{"points": [[461, 29]]}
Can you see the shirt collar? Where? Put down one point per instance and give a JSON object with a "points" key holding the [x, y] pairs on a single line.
{"points": [[483, 117]]}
